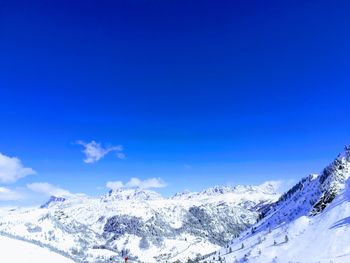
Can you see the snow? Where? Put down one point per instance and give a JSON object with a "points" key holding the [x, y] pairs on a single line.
{"points": [[292, 231], [309, 223], [176, 228], [323, 238], [17, 251]]}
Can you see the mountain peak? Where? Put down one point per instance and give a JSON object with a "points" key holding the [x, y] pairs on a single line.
{"points": [[131, 194], [53, 199], [345, 154]]}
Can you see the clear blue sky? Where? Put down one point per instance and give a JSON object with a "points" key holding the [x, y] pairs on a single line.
{"points": [[199, 93]]}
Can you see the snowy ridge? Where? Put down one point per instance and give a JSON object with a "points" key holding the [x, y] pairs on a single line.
{"points": [[309, 223], [313, 193], [222, 190], [52, 200], [131, 194]]}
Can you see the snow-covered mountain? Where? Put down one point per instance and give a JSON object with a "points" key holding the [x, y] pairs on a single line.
{"points": [[140, 223], [309, 223]]}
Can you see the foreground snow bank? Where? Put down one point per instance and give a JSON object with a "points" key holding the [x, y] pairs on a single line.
{"points": [[17, 251]]}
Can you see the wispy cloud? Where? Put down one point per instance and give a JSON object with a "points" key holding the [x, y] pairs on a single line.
{"points": [[114, 185], [7, 194], [94, 151], [12, 169], [121, 155], [137, 183], [48, 189]]}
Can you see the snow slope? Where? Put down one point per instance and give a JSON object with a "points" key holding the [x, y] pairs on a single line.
{"points": [[310, 223], [17, 251]]}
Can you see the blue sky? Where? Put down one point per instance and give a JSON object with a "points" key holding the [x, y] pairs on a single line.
{"points": [[197, 93]]}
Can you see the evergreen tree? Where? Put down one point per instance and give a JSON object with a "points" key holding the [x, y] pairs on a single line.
{"points": [[144, 244], [286, 239]]}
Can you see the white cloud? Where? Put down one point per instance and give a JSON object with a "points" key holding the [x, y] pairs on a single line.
{"points": [[114, 185], [8, 194], [94, 151], [147, 183], [12, 169], [137, 183], [48, 189]]}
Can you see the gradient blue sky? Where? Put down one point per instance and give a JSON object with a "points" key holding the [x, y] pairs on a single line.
{"points": [[199, 93]]}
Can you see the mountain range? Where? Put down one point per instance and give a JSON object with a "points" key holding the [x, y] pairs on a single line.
{"points": [[308, 223], [140, 223]]}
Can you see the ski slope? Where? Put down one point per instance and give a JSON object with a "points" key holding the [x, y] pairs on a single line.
{"points": [[17, 251]]}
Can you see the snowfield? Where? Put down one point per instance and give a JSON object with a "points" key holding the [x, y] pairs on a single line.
{"points": [[17, 251]]}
